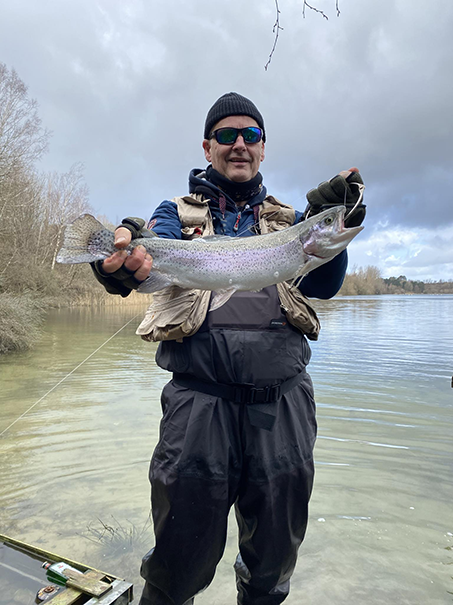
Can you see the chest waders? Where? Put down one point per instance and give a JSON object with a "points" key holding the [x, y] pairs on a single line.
{"points": [[238, 429]]}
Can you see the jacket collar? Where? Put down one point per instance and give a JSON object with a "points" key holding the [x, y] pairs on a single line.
{"points": [[198, 183]]}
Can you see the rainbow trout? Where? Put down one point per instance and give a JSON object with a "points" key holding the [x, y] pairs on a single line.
{"points": [[220, 263]]}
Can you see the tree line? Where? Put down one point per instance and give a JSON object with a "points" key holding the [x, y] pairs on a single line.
{"points": [[368, 281]]}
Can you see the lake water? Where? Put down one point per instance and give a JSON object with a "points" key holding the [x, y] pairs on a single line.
{"points": [[73, 474]]}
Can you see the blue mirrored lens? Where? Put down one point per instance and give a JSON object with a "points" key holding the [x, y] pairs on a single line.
{"points": [[251, 135]]}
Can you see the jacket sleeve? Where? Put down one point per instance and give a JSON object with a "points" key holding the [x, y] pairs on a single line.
{"points": [[326, 280], [165, 221]]}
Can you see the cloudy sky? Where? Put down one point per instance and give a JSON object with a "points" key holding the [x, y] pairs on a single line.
{"points": [[125, 85]]}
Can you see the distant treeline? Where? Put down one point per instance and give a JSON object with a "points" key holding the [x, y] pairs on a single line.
{"points": [[369, 281]]}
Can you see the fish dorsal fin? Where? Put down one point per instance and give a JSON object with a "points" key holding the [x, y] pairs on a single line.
{"points": [[220, 297]]}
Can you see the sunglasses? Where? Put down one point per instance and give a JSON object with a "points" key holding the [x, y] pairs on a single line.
{"points": [[228, 136]]}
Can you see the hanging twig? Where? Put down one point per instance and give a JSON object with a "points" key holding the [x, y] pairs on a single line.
{"points": [[313, 8], [276, 29]]}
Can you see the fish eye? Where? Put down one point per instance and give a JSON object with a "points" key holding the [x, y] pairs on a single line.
{"points": [[328, 220]]}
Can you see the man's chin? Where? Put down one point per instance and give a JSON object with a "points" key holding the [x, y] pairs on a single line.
{"points": [[239, 175]]}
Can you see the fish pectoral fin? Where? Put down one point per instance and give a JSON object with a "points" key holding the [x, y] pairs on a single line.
{"points": [[295, 282], [220, 297], [154, 282], [210, 239]]}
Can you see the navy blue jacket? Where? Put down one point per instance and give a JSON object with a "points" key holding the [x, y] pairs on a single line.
{"points": [[323, 282]]}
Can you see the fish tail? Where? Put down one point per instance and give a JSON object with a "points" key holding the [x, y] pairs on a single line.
{"points": [[86, 240]]}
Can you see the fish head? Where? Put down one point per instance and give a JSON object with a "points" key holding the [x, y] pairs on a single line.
{"points": [[327, 236]]}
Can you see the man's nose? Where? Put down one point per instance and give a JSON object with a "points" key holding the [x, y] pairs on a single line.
{"points": [[239, 142]]}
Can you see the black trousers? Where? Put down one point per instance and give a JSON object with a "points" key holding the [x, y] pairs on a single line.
{"points": [[209, 458]]}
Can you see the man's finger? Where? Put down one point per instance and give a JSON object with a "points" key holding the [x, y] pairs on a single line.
{"points": [[346, 173], [114, 262], [143, 272], [122, 237], [135, 259]]}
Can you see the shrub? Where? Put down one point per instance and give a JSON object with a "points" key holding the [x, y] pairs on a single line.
{"points": [[20, 321]]}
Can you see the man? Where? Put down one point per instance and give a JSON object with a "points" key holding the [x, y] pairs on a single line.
{"points": [[238, 423]]}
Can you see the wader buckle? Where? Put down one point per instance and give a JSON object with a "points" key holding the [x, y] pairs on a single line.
{"points": [[249, 394]]}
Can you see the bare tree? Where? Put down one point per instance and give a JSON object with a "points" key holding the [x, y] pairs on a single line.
{"points": [[22, 143], [22, 138], [65, 197], [32, 227], [34, 208], [19, 196]]}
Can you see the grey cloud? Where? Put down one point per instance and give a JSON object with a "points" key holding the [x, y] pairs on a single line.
{"points": [[125, 88]]}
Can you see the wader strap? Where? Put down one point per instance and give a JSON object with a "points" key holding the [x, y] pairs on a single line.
{"points": [[262, 414]]}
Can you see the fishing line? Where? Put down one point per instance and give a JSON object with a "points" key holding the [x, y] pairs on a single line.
{"points": [[67, 376], [361, 187], [22, 573]]}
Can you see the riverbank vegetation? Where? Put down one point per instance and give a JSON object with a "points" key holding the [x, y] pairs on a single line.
{"points": [[368, 281], [36, 206]]}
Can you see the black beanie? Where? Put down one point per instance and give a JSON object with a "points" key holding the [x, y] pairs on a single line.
{"points": [[232, 104]]}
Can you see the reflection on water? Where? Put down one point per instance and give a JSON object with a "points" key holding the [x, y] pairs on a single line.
{"points": [[74, 468]]}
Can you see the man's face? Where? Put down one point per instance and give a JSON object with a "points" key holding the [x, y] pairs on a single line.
{"points": [[238, 162]]}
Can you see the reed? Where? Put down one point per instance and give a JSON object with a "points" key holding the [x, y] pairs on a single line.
{"points": [[123, 544]]}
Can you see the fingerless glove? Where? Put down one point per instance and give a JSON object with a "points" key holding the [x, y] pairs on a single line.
{"points": [[122, 281], [339, 191]]}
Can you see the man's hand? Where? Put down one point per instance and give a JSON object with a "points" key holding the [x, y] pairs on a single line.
{"points": [[121, 273], [138, 263], [345, 189]]}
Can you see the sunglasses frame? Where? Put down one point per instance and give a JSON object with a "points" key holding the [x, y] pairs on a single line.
{"points": [[239, 131]]}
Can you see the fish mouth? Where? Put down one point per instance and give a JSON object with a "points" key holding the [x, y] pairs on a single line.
{"points": [[344, 234], [348, 233]]}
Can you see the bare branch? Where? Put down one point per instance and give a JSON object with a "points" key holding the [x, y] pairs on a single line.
{"points": [[276, 29], [313, 8]]}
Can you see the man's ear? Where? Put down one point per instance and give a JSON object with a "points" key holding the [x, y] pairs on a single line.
{"points": [[263, 155], [207, 149]]}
